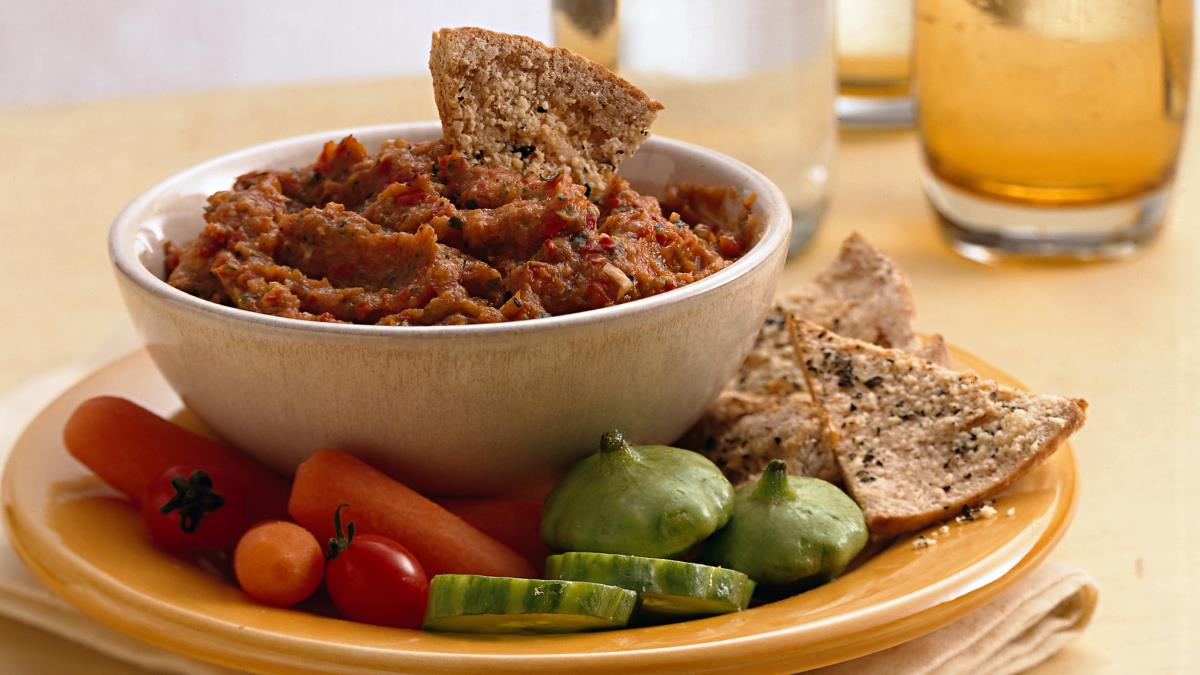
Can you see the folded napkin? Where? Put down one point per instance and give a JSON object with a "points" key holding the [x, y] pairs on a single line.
{"points": [[1022, 627]]}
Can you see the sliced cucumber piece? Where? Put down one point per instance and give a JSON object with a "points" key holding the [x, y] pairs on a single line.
{"points": [[666, 587], [470, 603]]}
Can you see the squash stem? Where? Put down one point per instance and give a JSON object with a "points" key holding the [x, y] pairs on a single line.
{"points": [[613, 441], [614, 446], [774, 482]]}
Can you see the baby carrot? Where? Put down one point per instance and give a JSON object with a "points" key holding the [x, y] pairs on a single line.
{"points": [[378, 504], [514, 522], [129, 447]]}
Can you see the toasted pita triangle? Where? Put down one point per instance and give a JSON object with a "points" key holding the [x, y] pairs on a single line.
{"points": [[917, 442], [513, 102]]}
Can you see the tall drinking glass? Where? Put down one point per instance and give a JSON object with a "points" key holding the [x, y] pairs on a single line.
{"points": [[753, 79], [1051, 128], [874, 40]]}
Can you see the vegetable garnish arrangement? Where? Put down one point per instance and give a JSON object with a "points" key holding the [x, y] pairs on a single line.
{"points": [[627, 523], [389, 556]]}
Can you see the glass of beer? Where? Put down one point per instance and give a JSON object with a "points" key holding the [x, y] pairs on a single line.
{"points": [[874, 38], [1051, 128], [753, 79]]}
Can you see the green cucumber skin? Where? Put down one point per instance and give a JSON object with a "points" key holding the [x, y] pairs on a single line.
{"points": [[456, 595], [678, 588]]}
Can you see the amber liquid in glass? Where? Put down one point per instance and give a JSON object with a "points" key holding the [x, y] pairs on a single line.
{"points": [[873, 38], [588, 28], [1052, 102]]}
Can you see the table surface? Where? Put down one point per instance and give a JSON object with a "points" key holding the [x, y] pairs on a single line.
{"points": [[1124, 335]]}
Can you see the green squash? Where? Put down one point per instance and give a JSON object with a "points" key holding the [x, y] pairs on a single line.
{"points": [[470, 603], [789, 530], [649, 500]]}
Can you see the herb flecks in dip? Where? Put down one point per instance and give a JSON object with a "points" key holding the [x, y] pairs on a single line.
{"points": [[419, 235]]}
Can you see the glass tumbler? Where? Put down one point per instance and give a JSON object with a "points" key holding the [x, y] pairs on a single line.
{"points": [[753, 79], [1051, 128], [874, 40]]}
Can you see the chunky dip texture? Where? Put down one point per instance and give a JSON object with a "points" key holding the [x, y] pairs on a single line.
{"points": [[419, 234]]}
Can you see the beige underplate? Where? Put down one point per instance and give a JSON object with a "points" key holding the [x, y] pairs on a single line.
{"points": [[87, 545]]}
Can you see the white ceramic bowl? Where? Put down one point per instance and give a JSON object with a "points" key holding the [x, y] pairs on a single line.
{"points": [[450, 410]]}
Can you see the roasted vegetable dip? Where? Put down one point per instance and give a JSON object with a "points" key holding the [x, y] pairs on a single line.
{"points": [[418, 234]]}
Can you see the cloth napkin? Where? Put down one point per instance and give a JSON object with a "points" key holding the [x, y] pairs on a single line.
{"points": [[1024, 626], [1021, 628]]}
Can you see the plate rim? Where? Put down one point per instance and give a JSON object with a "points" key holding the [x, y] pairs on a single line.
{"points": [[116, 605]]}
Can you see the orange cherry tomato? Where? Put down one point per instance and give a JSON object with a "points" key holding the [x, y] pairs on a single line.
{"points": [[278, 563]]}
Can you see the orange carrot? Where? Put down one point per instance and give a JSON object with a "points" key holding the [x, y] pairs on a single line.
{"points": [[442, 542], [514, 522], [128, 447]]}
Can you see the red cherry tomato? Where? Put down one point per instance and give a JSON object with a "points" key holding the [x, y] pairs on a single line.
{"points": [[373, 579], [195, 509]]}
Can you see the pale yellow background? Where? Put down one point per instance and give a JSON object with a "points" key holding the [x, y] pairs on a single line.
{"points": [[1124, 335]]}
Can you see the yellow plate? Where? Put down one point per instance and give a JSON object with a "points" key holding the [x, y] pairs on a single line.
{"points": [[87, 545]]}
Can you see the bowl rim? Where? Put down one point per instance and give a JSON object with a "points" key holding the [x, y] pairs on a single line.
{"points": [[777, 227]]}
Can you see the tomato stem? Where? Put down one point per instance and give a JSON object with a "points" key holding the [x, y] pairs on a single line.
{"points": [[194, 497], [340, 541]]}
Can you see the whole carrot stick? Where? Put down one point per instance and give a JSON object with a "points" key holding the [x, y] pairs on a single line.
{"points": [[378, 504], [128, 447]]}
